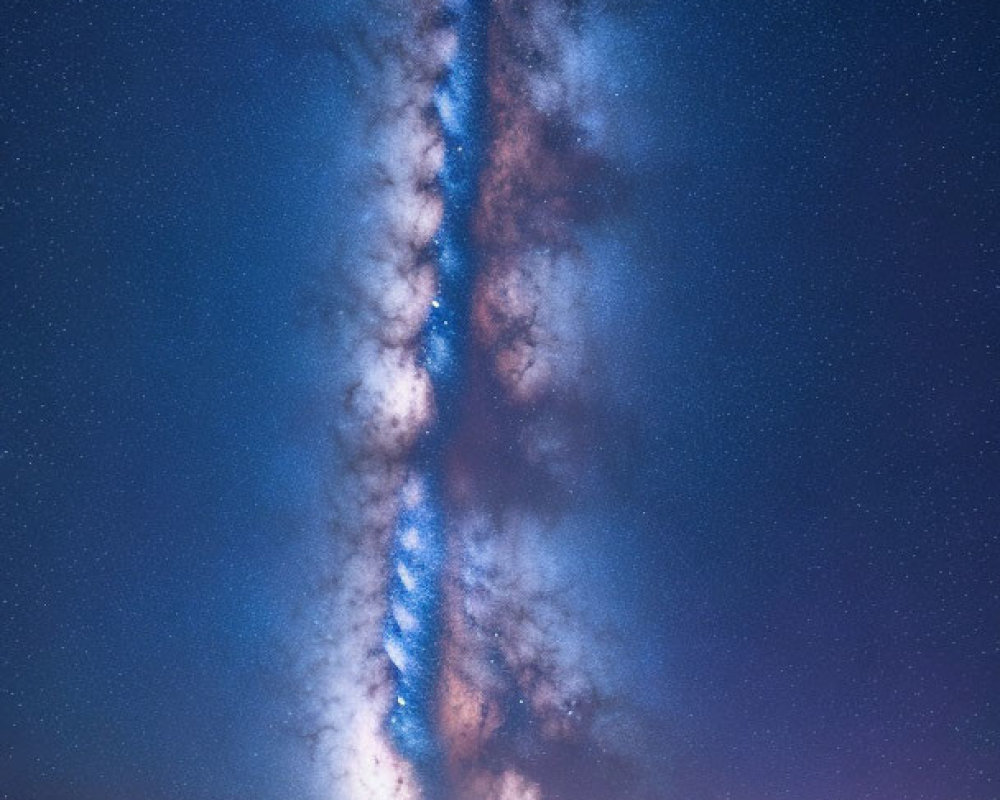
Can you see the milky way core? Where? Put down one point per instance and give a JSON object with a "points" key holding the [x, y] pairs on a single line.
{"points": [[460, 655]]}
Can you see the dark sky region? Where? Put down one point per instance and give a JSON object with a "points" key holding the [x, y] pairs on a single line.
{"points": [[810, 373]]}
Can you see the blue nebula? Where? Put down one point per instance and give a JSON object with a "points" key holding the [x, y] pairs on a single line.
{"points": [[412, 625], [410, 629]]}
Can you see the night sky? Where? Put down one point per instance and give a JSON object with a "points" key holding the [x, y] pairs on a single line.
{"points": [[796, 427]]}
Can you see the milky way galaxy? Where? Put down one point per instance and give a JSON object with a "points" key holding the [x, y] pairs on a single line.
{"points": [[499, 400], [459, 657]]}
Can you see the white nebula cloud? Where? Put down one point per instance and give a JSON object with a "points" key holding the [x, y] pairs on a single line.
{"points": [[386, 401]]}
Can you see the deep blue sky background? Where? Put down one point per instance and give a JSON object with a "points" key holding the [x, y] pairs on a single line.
{"points": [[815, 377]]}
